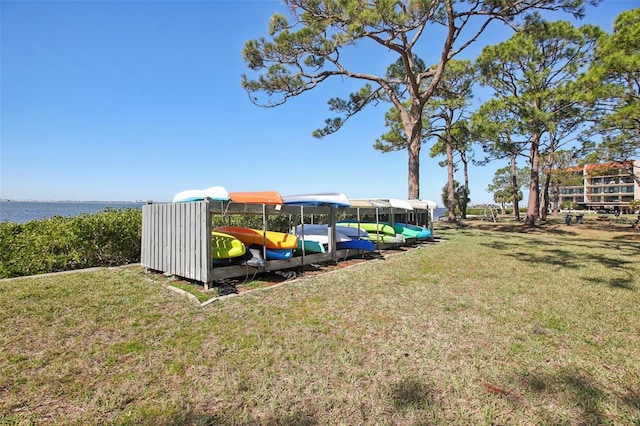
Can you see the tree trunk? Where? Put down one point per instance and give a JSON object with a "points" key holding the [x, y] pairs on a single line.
{"points": [[547, 178], [414, 171], [413, 129], [534, 183], [515, 186], [544, 205], [450, 180], [467, 191], [556, 198]]}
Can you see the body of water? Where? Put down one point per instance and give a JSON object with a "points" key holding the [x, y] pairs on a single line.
{"points": [[25, 211], [438, 212]]}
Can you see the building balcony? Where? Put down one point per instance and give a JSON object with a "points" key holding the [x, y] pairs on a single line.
{"points": [[605, 184]]}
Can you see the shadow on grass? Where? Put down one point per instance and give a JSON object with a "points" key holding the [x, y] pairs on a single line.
{"points": [[628, 237], [411, 394], [566, 257], [553, 227], [626, 283], [632, 399], [617, 254], [519, 228], [570, 387]]}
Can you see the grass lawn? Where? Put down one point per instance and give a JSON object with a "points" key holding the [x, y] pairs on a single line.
{"points": [[496, 324]]}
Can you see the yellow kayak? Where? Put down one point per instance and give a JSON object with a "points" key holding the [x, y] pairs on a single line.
{"points": [[225, 246], [275, 240]]}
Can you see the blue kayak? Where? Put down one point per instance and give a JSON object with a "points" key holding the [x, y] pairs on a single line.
{"points": [[279, 254], [364, 245]]}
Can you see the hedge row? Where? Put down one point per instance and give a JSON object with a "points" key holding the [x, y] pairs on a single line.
{"points": [[61, 244]]}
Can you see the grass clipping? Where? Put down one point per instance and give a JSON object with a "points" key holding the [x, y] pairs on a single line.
{"points": [[496, 326]]}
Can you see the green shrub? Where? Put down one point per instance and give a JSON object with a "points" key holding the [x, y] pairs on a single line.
{"points": [[61, 244], [278, 223], [475, 211]]}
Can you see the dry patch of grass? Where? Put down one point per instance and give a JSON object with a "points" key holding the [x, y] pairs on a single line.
{"points": [[496, 325]]}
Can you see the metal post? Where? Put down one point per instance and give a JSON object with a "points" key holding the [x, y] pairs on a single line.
{"points": [[264, 231], [332, 234]]}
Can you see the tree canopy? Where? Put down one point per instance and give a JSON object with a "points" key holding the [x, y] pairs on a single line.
{"points": [[531, 75], [502, 186], [614, 82], [311, 46]]}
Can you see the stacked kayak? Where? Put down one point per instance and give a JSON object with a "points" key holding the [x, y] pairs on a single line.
{"points": [[364, 245], [412, 231], [225, 246], [317, 239], [380, 233], [274, 240], [279, 254], [309, 246], [318, 233], [346, 237], [380, 238], [370, 227], [256, 197], [278, 245], [333, 199], [217, 193]]}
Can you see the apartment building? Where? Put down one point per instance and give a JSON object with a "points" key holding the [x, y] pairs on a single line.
{"points": [[608, 187]]}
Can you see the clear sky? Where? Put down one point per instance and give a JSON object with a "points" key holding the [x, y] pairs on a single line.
{"points": [[139, 100]]}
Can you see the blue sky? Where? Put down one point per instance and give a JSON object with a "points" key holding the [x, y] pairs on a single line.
{"points": [[139, 100]]}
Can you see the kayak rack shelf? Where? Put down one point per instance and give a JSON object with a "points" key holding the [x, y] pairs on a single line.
{"points": [[176, 238]]}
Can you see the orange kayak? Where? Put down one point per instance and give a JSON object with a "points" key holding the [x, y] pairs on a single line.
{"points": [[257, 197], [275, 240]]}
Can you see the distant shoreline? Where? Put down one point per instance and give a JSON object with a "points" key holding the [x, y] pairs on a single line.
{"points": [[10, 200], [15, 211]]}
